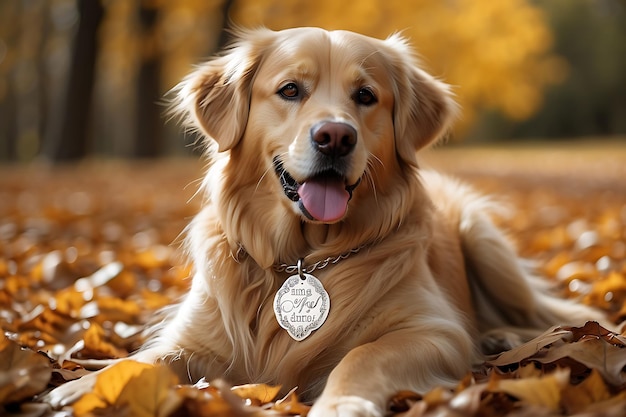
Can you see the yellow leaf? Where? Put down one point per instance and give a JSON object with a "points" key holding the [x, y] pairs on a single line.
{"points": [[109, 385], [578, 397], [151, 393], [541, 391], [291, 405], [257, 393], [529, 371], [97, 346], [436, 396], [117, 309]]}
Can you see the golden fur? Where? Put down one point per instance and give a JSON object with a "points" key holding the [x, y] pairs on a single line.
{"points": [[434, 278]]}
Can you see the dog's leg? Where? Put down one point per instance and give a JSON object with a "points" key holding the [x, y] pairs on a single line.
{"points": [[369, 375], [71, 391]]}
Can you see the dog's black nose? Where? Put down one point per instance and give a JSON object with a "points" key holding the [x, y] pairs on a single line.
{"points": [[333, 138]]}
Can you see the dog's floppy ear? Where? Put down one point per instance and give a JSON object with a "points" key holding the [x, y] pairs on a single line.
{"points": [[424, 108], [215, 98]]}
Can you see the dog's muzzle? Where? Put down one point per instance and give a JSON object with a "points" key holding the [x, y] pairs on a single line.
{"points": [[323, 197]]}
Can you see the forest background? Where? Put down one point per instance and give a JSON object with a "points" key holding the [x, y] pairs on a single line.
{"points": [[85, 78]]}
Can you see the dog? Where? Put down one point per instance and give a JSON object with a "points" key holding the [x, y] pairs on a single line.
{"points": [[324, 257]]}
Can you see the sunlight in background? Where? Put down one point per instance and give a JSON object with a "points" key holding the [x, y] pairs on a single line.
{"points": [[519, 68], [495, 53]]}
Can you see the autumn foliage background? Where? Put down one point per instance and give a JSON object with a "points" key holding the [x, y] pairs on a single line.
{"points": [[86, 77], [96, 188]]}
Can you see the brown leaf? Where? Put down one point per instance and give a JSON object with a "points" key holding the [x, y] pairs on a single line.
{"points": [[595, 330], [596, 354], [528, 349], [403, 400], [591, 345], [207, 401], [23, 373], [119, 242]]}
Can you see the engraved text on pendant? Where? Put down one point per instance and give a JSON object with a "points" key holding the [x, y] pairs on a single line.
{"points": [[301, 305]]}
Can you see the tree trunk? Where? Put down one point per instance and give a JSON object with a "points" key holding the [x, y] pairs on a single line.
{"points": [[226, 24], [148, 137], [71, 140]]}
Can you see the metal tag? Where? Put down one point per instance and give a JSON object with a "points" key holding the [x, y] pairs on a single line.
{"points": [[301, 305]]}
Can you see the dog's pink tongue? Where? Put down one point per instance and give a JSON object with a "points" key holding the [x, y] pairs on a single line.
{"points": [[325, 199]]}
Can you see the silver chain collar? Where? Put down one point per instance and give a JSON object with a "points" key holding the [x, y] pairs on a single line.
{"points": [[290, 269]]}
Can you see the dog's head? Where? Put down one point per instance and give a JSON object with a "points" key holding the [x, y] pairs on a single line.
{"points": [[318, 112]]}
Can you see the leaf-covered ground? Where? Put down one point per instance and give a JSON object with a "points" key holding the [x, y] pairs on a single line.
{"points": [[86, 258]]}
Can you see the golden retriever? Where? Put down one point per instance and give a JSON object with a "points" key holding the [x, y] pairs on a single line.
{"points": [[324, 258]]}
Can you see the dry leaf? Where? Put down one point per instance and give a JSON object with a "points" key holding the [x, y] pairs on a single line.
{"points": [[256, 394], [205, 402], [23, 373], [596, 354], [290, 405], [97, 347], [530, 348], [538, 391], [86, 260], [577, 398], [404, 400], [590, 345], [109, 386], [151, 393]]}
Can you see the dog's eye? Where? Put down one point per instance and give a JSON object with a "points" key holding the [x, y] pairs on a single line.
{"points": [[289, 91], [365, 97]]}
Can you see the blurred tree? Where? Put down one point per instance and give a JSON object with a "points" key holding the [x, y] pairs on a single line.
{"points": [[81, 77], [22, 38], [147, 46], [225, 34], [9, 29], [71, 141], [148, 137], [591, 37]]}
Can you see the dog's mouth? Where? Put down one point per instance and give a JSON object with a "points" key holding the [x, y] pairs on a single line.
{"points": [[324, 197]]}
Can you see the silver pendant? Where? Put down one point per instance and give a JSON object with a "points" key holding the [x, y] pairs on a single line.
{"points": [[301, 304]]}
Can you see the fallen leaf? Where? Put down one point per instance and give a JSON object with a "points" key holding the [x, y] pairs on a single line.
{"points": [[595, 354], [576, 398], [256, 394], [35, 410], [291, 405], [97, 347], [151, 393], [205, 402], [23, 373], [109, 386], [590, 345], [531, 347], [89, 221], [403, 400], [539, 391]]}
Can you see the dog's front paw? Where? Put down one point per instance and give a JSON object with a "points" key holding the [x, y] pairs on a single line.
{"points": [[345, 406], [70, 392]]}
